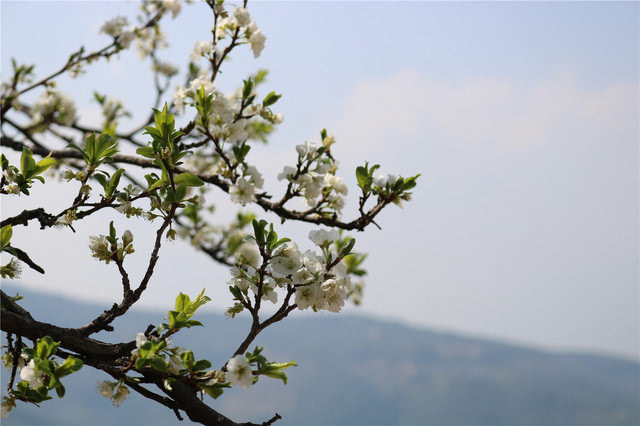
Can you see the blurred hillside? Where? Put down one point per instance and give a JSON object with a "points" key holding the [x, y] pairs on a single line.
{"points": [[354, 370]]}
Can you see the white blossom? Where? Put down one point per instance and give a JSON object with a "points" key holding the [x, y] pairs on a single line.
{"points": [[239, 372], [13, 189], [337, 183], [56, 106], [165, 68], [256, 42], [100, 248], [287, 172], [323, 238], [13, 269], [178, 98], [256, 176], [105, 388], [141, 339], [242, 192], [114, 26], [242, 16], [121, 392], [286, 261], [174, 6], [199, 49], [31, 375]]}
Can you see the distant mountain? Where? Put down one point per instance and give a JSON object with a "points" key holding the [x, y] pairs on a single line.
{"points": [[358, 371]]}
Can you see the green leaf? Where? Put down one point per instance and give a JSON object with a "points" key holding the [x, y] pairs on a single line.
{"points": [[181, 301], [237, 293], [60, 391], [201, 365], [44, 164], [45, 347], [146, 151], [216, 390], [157, 363], [5, 236], [70, 365], [188, 359], [193, 323], [173, 322], [103, 181], [188, 179], [26, 162], [258, 229], [159, 183], [347, 249], [113, 183], [270, 99], [247, 88]]}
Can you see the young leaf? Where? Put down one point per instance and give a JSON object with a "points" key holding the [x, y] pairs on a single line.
{"points": [[188, 179], [5, 236]]}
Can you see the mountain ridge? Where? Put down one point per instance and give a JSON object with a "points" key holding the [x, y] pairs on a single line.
{"points": [[354, 370]]}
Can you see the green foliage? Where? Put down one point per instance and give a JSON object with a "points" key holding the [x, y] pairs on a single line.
{"points": [[46, 371], [266, 368], [185, 308], [365, 176], [5, 236], [267, 240], [110, 185], [150, 354], [97, 150]]}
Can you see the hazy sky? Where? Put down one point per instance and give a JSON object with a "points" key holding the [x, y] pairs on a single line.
{"points": [[522, 117]]}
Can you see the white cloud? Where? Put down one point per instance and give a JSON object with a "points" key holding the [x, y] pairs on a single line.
{"points": [[480, 113]]}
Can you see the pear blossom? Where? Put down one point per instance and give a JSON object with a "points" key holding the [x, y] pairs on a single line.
{"points": [[121, 392], [199, 49], [337, 183], [105, 388], [114, 26], [13, 269], [13, 189], [242, 16], [31, 375], [382, 181], [242, 192], [268, 293], [225, 24], [309, 296], [100, 248], [174, 6], [239, 372], [256, 176], [323, 238], [54, 105], [256, 42], [286, 261], [287, 173], [165, 68], [6, 406]]}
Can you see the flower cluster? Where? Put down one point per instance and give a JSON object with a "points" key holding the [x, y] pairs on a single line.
{"points": [[244, 189], [321, 281], [314, 177], [12, 270], [114, 27], [54, 107], [115, 391], [105, 247], [242, 22]]}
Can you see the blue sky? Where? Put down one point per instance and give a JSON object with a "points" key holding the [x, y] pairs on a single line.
{"points": [[521, 116]]}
